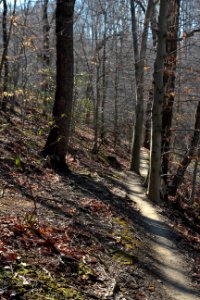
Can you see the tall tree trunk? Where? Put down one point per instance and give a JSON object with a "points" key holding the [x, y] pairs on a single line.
{"points": [[103, 80], [5, 53], [45, 51], [139, 76], [98, 99], [6, 33], [169, 81], [57, 142], [147, 136], [18, 50], [194, 180], [96, 115], [178, 178], [46, 29], [155, 154], [116, 107]]}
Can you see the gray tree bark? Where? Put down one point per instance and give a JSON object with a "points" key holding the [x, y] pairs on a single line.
{"points": [[169, 81], [45, 51], [139, 56], [153, 190]]}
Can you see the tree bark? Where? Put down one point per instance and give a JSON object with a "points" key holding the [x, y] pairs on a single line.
{"points": [[147, 137], [46, 29], [153, 191], [6, 33], [57, 142], [139, 76], [5, 56], [104, 84], [45, 51], [169, 81]]}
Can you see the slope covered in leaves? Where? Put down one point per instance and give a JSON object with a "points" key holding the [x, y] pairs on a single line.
{"points": [[74, 236]]}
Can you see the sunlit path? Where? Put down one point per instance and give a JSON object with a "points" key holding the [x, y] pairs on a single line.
{"points": [[170, 265]]}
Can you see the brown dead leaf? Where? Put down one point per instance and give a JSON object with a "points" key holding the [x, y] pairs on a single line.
{"points": [[151, 288]]}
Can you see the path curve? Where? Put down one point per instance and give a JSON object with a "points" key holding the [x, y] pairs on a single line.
{"points": [[169, 263]]}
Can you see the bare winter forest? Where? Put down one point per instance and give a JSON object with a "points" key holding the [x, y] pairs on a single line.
{"points": [[100, 149]]}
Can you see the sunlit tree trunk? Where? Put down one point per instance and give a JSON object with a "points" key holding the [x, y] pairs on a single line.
{"points": [[139, 56], [169, 81], [57, 142], [155, 153]]}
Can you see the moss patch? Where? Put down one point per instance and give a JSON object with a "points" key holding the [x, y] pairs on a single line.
{"points": [[124, 236], [34, 283], [123, 258]]}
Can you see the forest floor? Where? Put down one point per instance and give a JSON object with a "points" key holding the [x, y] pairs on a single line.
{"points": [[85, 235]]}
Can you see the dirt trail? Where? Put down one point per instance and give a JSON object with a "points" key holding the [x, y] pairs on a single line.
{"points": [[168, 263]]}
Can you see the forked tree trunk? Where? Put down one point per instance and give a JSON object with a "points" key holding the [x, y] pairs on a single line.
{"points": [[57, 142], [155, 153]]}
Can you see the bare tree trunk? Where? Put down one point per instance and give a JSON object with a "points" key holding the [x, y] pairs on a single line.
{"points": [[90, 97], [57, 142], [178, 178], [103, 80], [19, 50], [194, 180], [6, 34], [5, 52], [116, 108], [98, 99], [45, 51], [169, 81], [139, 76], [147, 136], [155, 154], [46, 29], [96, 115]]}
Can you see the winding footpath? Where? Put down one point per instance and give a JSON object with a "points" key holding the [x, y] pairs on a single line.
{"points": [[170, 265]]}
